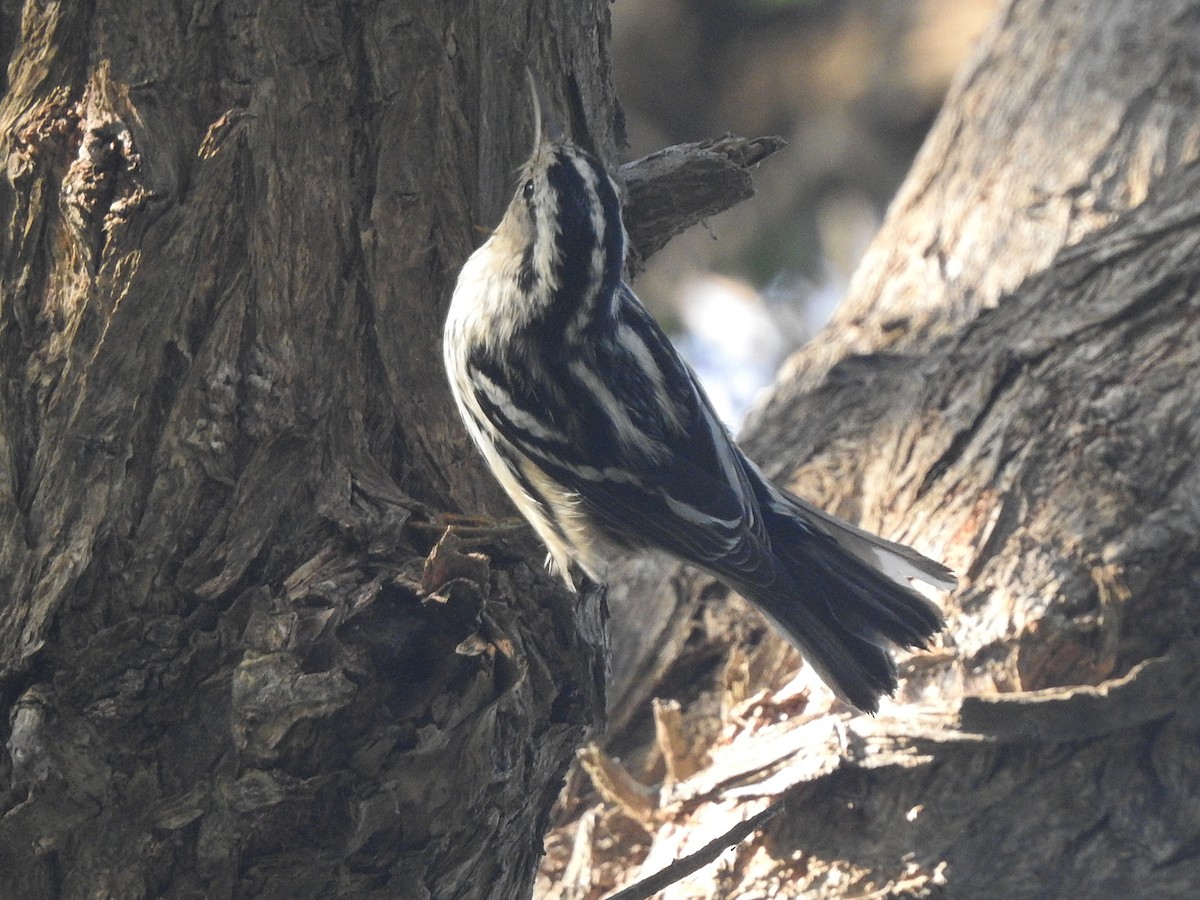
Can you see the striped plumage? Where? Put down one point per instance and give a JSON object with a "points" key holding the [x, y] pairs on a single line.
{"points": [[602, 436]]}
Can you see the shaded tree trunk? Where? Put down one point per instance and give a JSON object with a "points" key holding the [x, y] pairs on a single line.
{"points": [[1011, 386], [232, 663]]}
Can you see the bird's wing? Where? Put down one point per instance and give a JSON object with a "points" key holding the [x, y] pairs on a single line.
{"points": [[624, 426]]}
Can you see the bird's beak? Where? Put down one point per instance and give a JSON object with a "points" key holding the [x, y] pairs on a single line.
{"points": [[545, 127]]}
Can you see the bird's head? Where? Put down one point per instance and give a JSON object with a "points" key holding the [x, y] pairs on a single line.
{"points": [[564, 221]]}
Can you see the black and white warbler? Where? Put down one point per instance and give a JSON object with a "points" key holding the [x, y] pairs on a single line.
{"points": [[603, 437]]}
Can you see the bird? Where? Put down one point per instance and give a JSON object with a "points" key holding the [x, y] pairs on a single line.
{"points": [[605, 441]]}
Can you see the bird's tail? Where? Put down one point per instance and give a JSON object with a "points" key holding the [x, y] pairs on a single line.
{"points": [[849, 597]]}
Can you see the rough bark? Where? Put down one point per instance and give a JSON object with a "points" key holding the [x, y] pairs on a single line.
{"points": [[1010, 387], [232, 662]]}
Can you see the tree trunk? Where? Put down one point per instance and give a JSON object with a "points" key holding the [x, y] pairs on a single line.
{"points": [[1011, 386], [233, 663]]}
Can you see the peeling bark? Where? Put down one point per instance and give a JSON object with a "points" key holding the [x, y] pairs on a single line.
{"points": [[674, 189]]}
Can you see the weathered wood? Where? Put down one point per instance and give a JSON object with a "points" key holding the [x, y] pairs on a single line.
{"points": [[673, 189]]}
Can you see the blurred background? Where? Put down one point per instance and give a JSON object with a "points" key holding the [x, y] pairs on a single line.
{"points": [[853, 85]]}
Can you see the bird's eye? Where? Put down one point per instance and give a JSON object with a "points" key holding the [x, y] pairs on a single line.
{"points": [[527, 191]]}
